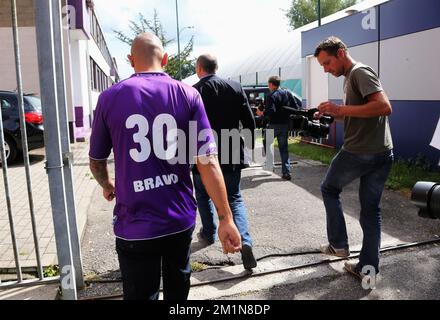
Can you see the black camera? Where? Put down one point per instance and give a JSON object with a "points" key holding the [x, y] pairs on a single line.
{"points": [[260, 121], [305, 122], [426, 196]]}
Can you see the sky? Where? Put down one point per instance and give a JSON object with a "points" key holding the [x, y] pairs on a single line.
{"points": [[230, 29]]}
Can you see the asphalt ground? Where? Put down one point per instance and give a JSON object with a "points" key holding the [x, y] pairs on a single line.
{"points": [[289, 217]]}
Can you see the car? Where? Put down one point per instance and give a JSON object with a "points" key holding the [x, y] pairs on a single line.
{"points": [[11, 123], [257, 95]]}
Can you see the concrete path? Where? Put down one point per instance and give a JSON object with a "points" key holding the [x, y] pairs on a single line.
{"points": [[84, 185], [284, 217], [289, 217]]}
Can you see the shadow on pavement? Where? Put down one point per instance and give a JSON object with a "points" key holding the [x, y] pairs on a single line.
{"points": [[33, 159]]}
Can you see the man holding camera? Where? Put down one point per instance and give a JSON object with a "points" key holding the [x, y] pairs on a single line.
{"points": [[278, 118], [367, 154]]}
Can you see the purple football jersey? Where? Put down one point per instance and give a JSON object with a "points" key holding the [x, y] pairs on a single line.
{"points": [[150, 121]]}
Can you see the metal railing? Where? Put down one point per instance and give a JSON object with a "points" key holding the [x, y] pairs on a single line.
{"points": [[49, 31]]}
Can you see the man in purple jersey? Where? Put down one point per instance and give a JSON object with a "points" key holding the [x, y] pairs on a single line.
{"points": [[144, 119]]}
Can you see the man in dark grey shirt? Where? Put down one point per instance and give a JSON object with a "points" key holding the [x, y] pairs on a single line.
{"points": [[367, 154]]}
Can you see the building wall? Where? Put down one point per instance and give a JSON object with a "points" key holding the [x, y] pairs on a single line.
{"points": [[96, 55], [283, 60], [28, 47], [413, 73], [79, 48], [28, 60], [402, 46], [25, 13], [81, 99]]}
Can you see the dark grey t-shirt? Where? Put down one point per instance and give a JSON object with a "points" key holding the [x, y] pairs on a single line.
{"points": [[364, 135]]}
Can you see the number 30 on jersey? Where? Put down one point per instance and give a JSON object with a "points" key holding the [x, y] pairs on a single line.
{"points": [[140, 137]]}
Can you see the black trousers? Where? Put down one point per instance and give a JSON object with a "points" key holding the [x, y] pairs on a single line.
{"points": [[142, 262]]}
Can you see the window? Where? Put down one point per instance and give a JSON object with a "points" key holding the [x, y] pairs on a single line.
{"points": [[5, 104], [99, 79], [98, 36]]}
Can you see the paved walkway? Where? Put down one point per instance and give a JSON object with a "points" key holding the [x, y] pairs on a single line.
{"points": [[284, 217], [84, 186], [287, 217]]}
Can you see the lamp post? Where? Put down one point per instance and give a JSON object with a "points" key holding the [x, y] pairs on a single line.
{"points": [[178, 48], [319, 13], [178, 42], [179, 31]]}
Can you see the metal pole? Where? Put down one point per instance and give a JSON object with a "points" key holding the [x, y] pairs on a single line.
{"points": [[65, 142], [8, 201], [24, 141], [270, 138], [319, 13], [54, 164], [178, 42]]}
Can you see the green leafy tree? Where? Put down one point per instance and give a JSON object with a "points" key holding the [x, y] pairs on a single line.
{"points": [[155, 26], [302, 12]]}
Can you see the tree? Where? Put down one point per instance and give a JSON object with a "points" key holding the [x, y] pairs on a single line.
{"points": [[302, 12], [155, 26]]}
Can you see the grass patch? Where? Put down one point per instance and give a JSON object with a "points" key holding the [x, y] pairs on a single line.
{"points": [[197, 266], [92, 276], [404, 173], [51, 271], [312, 152]]}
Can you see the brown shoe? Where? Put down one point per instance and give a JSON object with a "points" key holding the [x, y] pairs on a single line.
{"points": [[328, 249], [351, 267]]}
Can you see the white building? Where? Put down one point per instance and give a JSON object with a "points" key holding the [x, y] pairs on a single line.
{"points": [[400, 39], [89, 67]]}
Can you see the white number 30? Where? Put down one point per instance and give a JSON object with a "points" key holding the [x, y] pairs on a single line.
{"points": [[158, 133]]}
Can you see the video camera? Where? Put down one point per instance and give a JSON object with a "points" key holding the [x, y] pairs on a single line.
{"points": [[260, 121], [305, 122], [426, 196]]}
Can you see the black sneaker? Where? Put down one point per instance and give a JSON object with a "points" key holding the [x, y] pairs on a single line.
{"points": [[248, 258], [287, 177]]}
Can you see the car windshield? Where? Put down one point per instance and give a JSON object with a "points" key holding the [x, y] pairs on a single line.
{"points": [[32, 103]]}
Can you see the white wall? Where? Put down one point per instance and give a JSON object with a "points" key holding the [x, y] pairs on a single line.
{"points": [[95, 96], [79, 75], [29, 60], [317, 83], [367, 54], [305, 77], [410, 66], [96, 55], [292, 72]]}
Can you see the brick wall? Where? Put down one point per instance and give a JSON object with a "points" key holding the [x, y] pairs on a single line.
{"points": [[25, 13]]}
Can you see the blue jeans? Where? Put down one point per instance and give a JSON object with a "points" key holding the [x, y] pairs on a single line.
{"points": [[281, 132], [373, 171], [207, 210], [143, 262]]}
